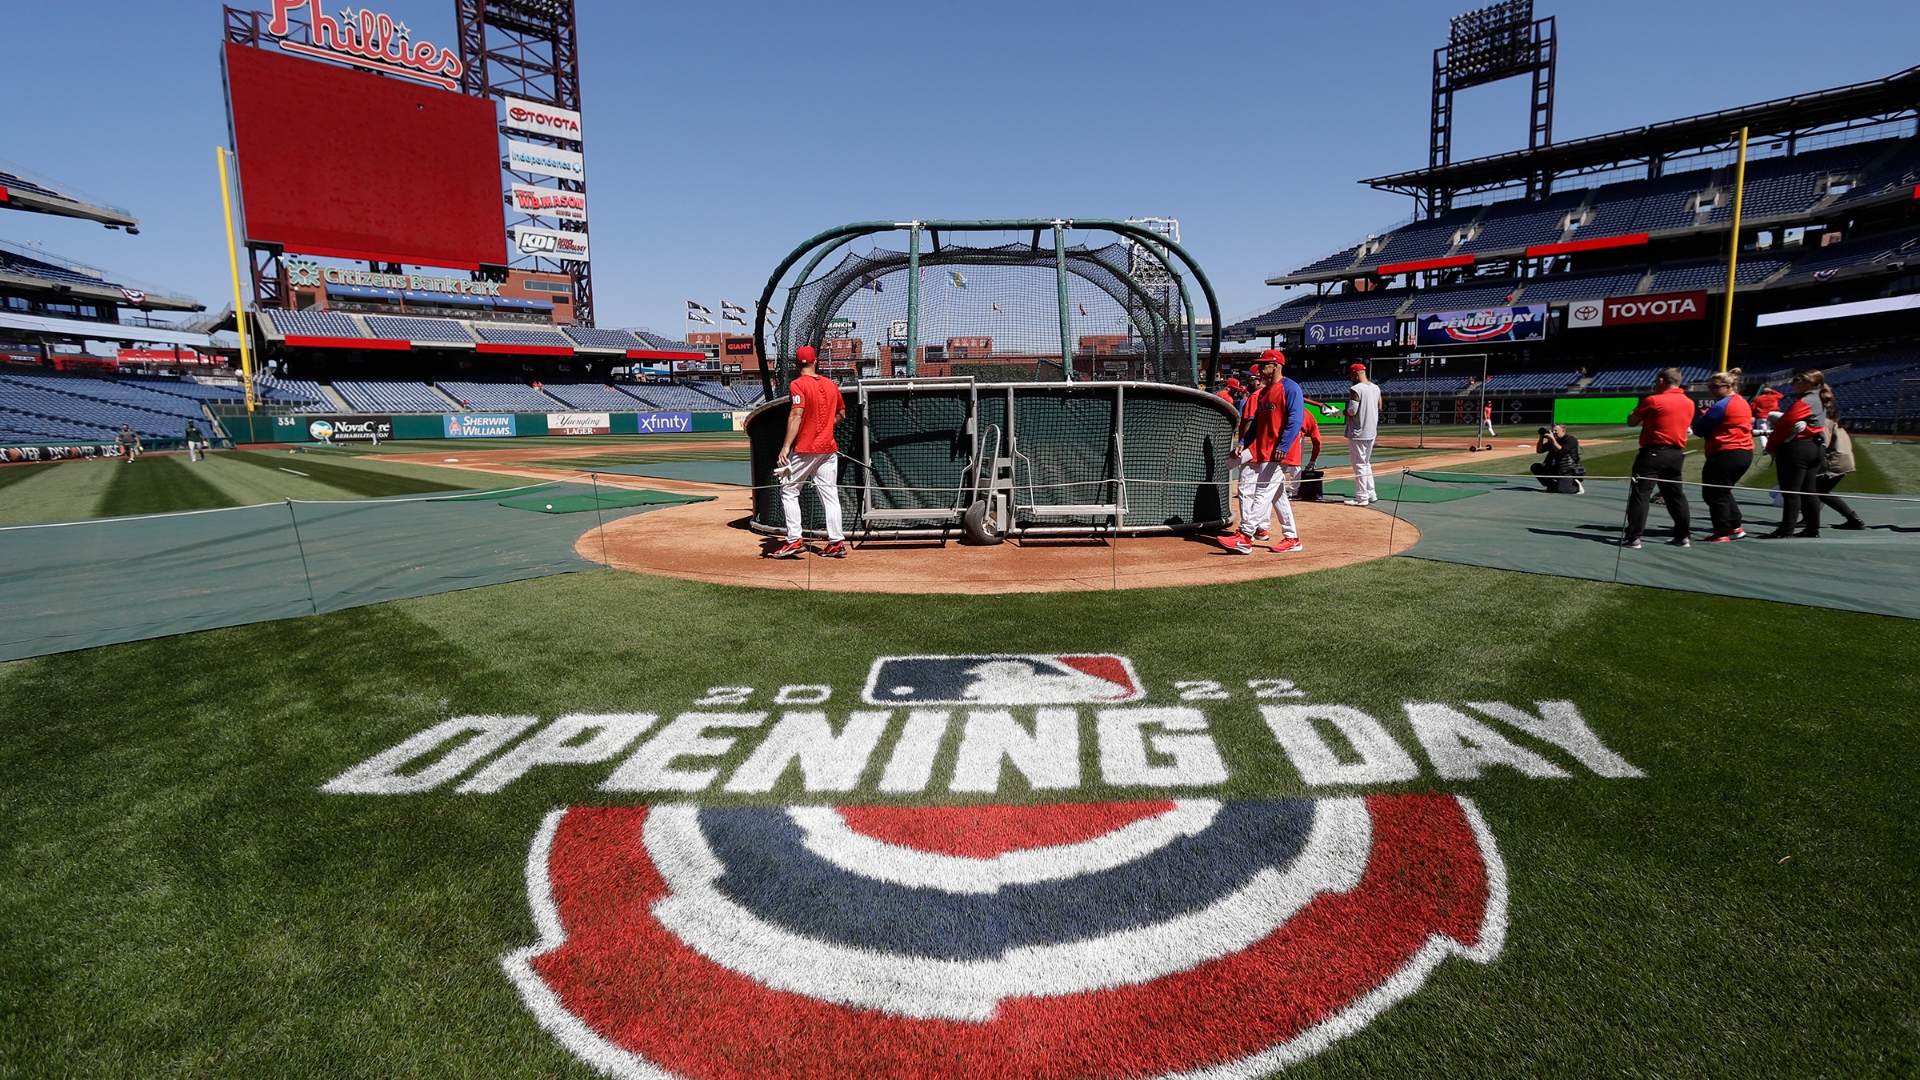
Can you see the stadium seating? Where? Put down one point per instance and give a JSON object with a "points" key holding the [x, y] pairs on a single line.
{"points": [[1325, 389], [1366, 305], [23, 266], [502, 335], [94, 406], [669, 398], [305, 395], [407, 328], [1339, 260], [1520, 224], [1896, 176], [1466, 298], [1641, 378], [380, 397], [665, 344], [496, 397], [1422, 239], [595, 396], [1824, 264], [1416, 383], [594, 337], [315, 323], [1711, 274], [1543, 290], [1532, 382], [1790, 185], [722, 397]]}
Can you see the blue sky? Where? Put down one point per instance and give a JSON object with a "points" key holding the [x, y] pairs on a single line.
{"points": [[719, 135]]}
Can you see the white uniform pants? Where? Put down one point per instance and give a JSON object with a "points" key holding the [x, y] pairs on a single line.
{"points": [[824, 471], [1361, 453], [1263, 489], [1486, 427], [195, 450]]}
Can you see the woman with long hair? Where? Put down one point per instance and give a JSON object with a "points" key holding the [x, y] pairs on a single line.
{"points": [[1727, 425], [1798, 445]]}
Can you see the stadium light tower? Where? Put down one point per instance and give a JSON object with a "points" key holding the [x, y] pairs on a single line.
{"points": [[1486, 46], [530, 49]]}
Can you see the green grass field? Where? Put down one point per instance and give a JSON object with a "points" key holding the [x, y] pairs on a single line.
{"points": [[183, 900]]}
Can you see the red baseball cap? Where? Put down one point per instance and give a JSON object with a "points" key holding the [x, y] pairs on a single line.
{"points": [[804, 354], [1356, 367], [1234, 383], [1273, 356]]}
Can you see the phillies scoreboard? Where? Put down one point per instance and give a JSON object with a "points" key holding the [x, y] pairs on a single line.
{"points": [[376, 156]]}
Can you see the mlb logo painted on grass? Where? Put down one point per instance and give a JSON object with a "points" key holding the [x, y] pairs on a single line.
{"points": [[1003, 679], [1171, 938]]}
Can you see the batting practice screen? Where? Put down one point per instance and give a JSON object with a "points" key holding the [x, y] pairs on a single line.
{"points": [[350, 165]]}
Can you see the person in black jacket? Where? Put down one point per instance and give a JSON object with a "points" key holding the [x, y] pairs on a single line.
{"points": [[1562, 460]]}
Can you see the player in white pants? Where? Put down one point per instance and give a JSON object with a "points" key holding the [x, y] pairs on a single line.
{"points": [[1363, 425], [1263, 473], [814, 407], [824, 471]]}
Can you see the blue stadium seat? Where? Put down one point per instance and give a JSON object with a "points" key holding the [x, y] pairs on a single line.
{"points": [[1711, 274], [314, 323], [497, 397], [1542, 290], [595, 396], [381, 397], [602, 338], [1465, 298], [501, 335], [409, 328]]}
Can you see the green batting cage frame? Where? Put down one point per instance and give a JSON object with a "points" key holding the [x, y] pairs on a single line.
{"points": [[1021, 386]]}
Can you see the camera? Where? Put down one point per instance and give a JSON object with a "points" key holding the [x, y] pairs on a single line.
{"points": [[1546, 431]]}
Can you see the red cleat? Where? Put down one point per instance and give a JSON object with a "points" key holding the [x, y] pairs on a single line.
{"points": [[835, 550], [1238, 544], [1291, 543], [1261, 537], [792, 549]]}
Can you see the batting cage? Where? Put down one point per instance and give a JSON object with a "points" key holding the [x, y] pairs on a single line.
{"points": [[1004, 378]]}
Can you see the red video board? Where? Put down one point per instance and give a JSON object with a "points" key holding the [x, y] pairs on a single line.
{"points": [[342, 163]]}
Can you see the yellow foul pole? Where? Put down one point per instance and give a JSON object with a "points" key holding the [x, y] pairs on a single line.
{"points": [[233, 263], [1733, 250]]}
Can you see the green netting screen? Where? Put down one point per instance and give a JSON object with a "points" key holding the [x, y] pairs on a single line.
{"points": [[912, 447]]}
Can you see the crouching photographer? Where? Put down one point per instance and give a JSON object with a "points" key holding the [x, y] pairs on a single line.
{"points": [[1560, 471]]}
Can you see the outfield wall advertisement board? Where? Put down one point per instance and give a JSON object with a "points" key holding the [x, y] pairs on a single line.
{"points": [[524, 115], [1526, 322], [1351, 331], [479, 426], [579, 423], [1607, 410], [550, 202], [662, 422], [336, 429]]}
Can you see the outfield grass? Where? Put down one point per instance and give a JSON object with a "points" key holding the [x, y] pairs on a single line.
{"points": [[181, 900], [163, 483]]}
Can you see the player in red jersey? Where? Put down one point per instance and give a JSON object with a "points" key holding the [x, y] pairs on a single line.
{"points": [[1276, 414], [810, 452]]}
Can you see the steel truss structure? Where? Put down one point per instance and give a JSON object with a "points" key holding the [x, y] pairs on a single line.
{"points": [[1485, 46], [530, 49]]}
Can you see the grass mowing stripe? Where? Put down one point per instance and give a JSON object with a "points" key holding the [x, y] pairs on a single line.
{"points": [[158, 485], [18, 473], [352, 479]]}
